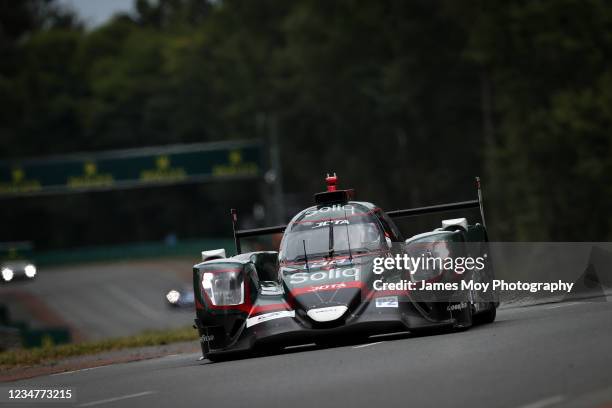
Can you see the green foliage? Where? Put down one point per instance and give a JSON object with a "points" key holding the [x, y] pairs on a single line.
{"points": [[50, 352], [405, 100], [550, 64]]}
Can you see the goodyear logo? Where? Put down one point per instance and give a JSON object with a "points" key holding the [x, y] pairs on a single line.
{"points": [[163, 171]]}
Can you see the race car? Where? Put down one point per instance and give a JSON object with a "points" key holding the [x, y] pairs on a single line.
{"points": [[180, 298], [14, 264], [18, 270], [321, 285]]}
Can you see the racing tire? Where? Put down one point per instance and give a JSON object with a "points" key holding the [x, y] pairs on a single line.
{"points": [[465, 318], [487, 316], [216, 358]]}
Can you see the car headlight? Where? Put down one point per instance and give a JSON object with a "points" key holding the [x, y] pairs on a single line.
{"points": [[173, 296], [224, 288], [7, 274], [30, 271]]}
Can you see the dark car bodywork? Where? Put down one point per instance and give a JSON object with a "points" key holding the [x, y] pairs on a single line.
{"points": [[319, 285]]}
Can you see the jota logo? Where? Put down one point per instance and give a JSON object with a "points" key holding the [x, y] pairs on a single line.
{"points": [[327, 223], [331, 274], [328, 287]]}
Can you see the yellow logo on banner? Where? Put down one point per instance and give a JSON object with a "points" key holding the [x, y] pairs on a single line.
{"points": [[90, 169], [19, 183], [235, 166], [163, 171], [162, 163], [235, 157], [18, 175], [91, 177]]}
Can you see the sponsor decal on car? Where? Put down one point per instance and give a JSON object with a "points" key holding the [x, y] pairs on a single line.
{"points": [[252, 321], [388, 301], [327, 314], [329, 263], [457, 306], [347, 208], [328, 287], [322, 224], [337, 273]]}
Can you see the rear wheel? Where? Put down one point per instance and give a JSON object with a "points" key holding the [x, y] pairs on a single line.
{"points": [[216, 358], [236, 355], [488, 316]]}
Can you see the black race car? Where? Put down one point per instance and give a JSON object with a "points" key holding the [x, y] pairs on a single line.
{"points": [[322, 285]]}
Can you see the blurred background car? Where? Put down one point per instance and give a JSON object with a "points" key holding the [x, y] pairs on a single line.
{"points": [[18, 270], [182, 297], [14, 262]]}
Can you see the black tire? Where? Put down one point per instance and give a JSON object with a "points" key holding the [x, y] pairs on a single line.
{"points": [[487, 316], [464, 317], [216, 358]]}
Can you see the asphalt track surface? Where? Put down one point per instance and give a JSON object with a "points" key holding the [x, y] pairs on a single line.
{"points": [[109, 299], [552, 355]]}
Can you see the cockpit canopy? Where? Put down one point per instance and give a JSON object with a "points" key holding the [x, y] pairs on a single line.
{"points": [[329, 230]]}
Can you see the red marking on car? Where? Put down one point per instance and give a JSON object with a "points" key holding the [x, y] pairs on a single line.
{"points": [[327, 287]]}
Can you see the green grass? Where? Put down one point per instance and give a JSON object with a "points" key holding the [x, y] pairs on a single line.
{"points": [[50, 352]]}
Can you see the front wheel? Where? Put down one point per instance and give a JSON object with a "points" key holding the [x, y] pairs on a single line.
{"points": [[236, 355], [217, 358], [462, 313]]}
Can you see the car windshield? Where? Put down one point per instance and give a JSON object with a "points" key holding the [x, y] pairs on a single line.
{"points": [[326, 234]]}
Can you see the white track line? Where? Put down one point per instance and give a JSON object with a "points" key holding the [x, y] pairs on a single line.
{"points": [[544, 402], [105, 401], [368, 345], [299, 346], [562, 305], [80, 370], [399, 333]]}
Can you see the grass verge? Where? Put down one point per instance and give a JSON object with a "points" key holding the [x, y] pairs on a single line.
{"points": [[50, 352]]}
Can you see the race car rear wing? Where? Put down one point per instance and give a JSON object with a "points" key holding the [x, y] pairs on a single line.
{"points": [[279, 229], [462, 205]]}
